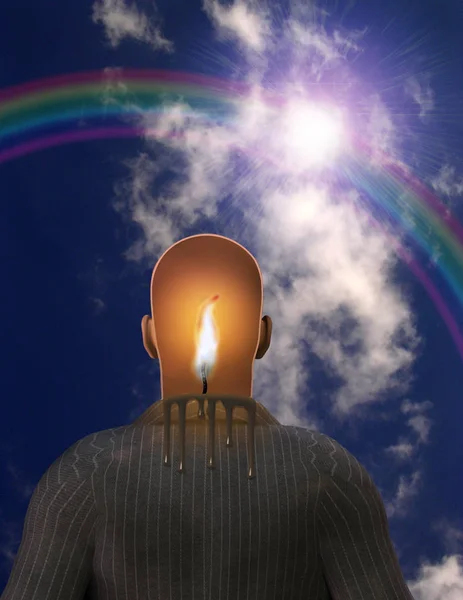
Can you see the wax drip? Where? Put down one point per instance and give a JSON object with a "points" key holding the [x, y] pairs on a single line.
{"points": [[229, 402], [211, 438], [182, 426]]}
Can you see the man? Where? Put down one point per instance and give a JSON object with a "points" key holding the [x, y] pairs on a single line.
{"points": [[138, 512]]}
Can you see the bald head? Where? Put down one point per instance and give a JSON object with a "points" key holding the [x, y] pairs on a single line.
{"points": [[187, 276]]}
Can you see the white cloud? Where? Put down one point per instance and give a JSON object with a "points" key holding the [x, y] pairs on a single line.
{"points": [[320, 50], [441, 581], [407, 449], [421, 93], [98, 305], [340, 301], [407, 489], [421, 425], [10, 531], [451, 535], [135, 194], [23, 487], [447, 182], [242, 21], [403, 450], [418, 422], [379, 126], [409, 407], [249, 22], [9, 542], [122, 19]]}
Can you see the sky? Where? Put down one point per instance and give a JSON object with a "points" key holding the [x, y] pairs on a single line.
{"points": [[327, 138]]}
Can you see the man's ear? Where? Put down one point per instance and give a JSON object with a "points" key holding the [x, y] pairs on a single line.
{"points": [[265, 336], [147, 330]]}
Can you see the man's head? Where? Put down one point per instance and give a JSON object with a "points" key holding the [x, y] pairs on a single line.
{"points": [[188, 274]]}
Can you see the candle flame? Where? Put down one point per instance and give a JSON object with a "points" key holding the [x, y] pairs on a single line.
{"points": [[206, 337]]}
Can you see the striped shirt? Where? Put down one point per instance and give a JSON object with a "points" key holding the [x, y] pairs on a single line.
{"points": [[110, 521]]}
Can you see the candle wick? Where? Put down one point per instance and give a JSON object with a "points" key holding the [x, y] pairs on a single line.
{"points": [[203, 377]]}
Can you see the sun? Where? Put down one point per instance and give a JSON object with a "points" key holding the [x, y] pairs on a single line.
{"points": [[311, 134]]}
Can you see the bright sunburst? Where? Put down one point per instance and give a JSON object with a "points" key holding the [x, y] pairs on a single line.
{"points": [[312, 134]]}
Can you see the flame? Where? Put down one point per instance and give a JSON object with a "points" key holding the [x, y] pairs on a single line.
{"points": [[206, 337]]}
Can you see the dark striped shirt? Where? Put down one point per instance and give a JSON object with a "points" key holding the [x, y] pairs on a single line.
{"points": [[110, 521]]}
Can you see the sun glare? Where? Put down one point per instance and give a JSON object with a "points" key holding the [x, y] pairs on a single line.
{"points": [[312, 134]]}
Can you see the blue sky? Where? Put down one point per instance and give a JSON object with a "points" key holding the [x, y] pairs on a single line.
{"points": [[360, 350]]}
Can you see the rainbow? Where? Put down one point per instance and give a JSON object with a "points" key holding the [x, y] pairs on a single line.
{"points": [[102, 97], [100, 105]]}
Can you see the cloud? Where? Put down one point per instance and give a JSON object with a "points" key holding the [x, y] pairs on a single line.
{"points": [[447, 182], [379, 125], [441, 581], [407, 449], [23, 487], [96, 280], [10, 531], [134, 198], [320, 49], [251, 24], [192, 193], [240, 21], [328, 274], [421, 93], [122, 19], [407, 489], [98, 305], [451, 535], [403, 450], [420, 427], [9, 542], [339, 303], [409, 407], [417, 421]]}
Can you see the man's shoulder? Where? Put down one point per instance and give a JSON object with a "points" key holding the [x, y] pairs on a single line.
{"points": [[330, 457], [84, 456], [94, 442], [317, 441]]}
